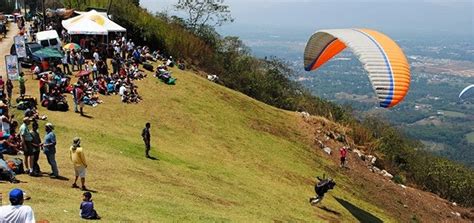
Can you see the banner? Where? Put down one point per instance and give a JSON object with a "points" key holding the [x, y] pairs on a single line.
{"points": [[20, 46], [13, 68]]}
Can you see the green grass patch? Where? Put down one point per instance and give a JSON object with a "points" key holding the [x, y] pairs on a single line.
{"points": [[453, 114], [470, 137], [222, 157]]}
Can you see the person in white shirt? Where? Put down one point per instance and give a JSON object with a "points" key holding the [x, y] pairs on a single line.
{"points": [[5, 121], [122, 90], [96, 56], [123, 93], [17, 212], [37, 70]]}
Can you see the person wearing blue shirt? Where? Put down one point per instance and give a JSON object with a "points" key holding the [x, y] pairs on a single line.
{"points": [[87, 207], [49, 149]]}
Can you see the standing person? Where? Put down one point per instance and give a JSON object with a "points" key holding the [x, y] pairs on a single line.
{"points": [[2, 89], [21, 82], [49, 149], [94, 70], [27, 140], [64, 60], [80, 60], [4, 30], [115, 65], [72, 59], [343, 154], [79, 99], [78, 159], [74, 97], [9, 91], [43, 85], [146, 138], [95, 55], [36, 149], [17, 212]]}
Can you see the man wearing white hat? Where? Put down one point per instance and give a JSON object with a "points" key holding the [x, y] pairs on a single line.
{"points": [[79, 161]]}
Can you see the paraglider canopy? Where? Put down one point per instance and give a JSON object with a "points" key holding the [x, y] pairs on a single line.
{"points": [[467, 92], [383, 59]]}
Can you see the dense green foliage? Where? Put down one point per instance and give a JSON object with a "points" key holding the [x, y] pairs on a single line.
{"points": [[400, 156], [268, 80], [7, 6]]}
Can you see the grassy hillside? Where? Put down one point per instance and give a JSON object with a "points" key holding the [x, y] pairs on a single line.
{"points": [[222, 156]]}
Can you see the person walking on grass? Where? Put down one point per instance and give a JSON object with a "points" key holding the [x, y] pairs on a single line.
{"points": [[343, 154], [146, 138], [78, 159], [49, 149]]}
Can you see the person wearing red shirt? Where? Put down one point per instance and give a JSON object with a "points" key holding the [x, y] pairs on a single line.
{"points": [[42, 85], [343, 153], [79, 98]]}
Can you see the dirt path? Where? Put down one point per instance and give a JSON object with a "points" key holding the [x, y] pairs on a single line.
{"points": [[5, 45]]}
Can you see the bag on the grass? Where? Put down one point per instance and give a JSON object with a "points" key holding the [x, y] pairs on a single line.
{"points": [[148, 67], [16, 165]]}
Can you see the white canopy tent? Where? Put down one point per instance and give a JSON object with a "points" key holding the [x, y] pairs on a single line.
{"points": [[91, 23], [84, 12], [85, 27]]}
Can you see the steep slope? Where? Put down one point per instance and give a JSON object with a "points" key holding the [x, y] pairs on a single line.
{"points": [[222, 156]]}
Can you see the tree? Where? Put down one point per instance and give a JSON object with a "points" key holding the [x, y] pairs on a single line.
{"points": [[53, 4], [7, 6], [205, 12], [136, 2]]}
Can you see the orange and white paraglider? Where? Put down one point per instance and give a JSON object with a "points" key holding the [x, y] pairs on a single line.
{"points": [[385, 62]]}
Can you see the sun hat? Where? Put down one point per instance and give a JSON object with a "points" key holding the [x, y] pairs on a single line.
{"points": [[76, 141], [49, 125]]}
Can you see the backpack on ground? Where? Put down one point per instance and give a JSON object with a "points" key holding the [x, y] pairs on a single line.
{"points": [[16, 165], [62, 105], [148, 66]]}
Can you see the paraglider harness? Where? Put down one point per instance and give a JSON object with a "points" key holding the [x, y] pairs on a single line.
{"points": [[323, 186]]}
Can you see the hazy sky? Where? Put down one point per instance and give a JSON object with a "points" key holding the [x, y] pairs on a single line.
{"points": [[403, 18]]}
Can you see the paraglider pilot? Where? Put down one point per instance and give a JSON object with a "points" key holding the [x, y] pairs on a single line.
{"points": [[323, 186]]}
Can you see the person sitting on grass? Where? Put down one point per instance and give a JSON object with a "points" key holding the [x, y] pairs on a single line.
{"points": [[87, 207], [102, 86], [7, 173], [13, 143]]}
